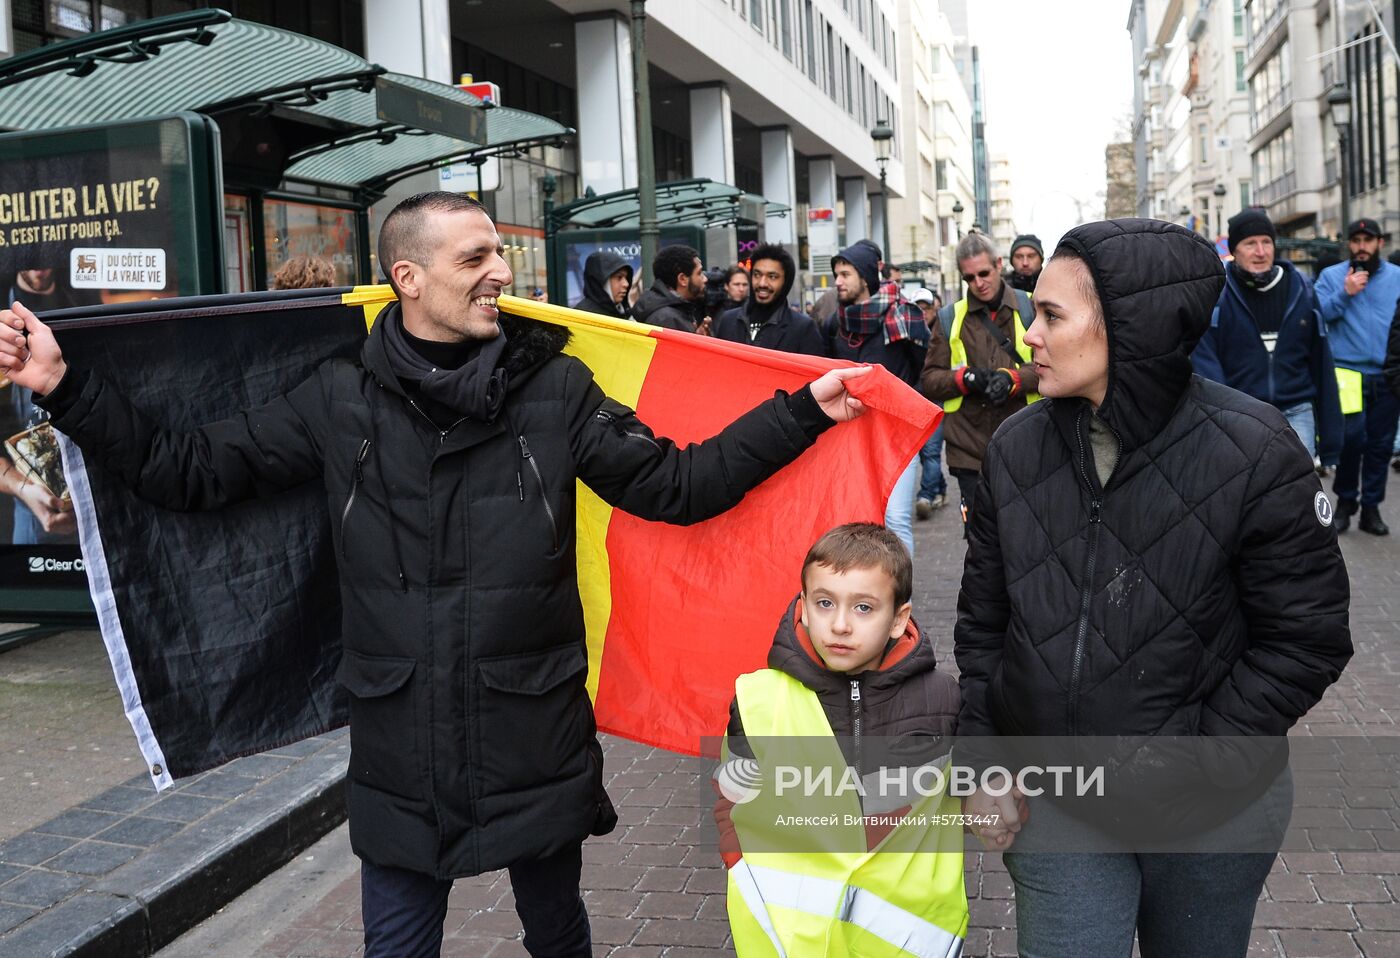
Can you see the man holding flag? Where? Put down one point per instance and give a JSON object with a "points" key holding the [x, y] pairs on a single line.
{"points": [[449, 455]]}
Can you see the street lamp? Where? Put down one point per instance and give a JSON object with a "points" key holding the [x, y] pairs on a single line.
{"points": [[547, 186], [1219, 192], [1339, 103], [957, 216], [883, 135]]}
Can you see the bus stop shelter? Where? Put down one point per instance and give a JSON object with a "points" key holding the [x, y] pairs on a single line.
{"points": [[310, 135]]}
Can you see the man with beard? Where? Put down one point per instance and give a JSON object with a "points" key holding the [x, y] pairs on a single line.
{"points": [[979, 366], [676, 298], [876, 325], [767, 319], [607, 278], [1358, 300], [1265, 338], [473, 745], [1027, 258]]}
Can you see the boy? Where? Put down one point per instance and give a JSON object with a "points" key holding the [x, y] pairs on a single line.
{"points": [[843, 868]]}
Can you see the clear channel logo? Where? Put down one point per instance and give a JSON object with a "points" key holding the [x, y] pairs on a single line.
{"points": [[41, 564]]}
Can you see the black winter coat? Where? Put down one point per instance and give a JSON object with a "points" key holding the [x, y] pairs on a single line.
{"points": [[660, 306], [1201, 591], [1391, 370], [783, 328], [472, 737]]}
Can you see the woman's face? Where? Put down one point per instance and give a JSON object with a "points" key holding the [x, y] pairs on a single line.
{"points": [[1069, 347]]}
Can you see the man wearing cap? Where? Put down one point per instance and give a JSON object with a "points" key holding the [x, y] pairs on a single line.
{"points": [[933, 488], [1266, 338], [1027, 257], [875, 324], [1357, 300]]}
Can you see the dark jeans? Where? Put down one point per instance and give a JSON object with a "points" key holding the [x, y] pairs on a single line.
{"points": [[1180, 905], [931, 482], [1368, 444], [403, 911]]}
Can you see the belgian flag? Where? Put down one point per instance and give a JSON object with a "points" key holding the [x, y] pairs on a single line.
{"points": [[223, 628]]}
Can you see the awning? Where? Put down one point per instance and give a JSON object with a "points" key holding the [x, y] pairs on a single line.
{"points": [[699, 201], [340, 120]]}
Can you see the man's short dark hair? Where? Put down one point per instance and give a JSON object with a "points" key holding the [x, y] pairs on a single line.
{"points": [[864, 545], [771, 251], [405, 235], [673, 262]]}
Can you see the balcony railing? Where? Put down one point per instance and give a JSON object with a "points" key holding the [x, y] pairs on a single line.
{"points": [[1266, 29], [1277, 190], [1271, 108]]}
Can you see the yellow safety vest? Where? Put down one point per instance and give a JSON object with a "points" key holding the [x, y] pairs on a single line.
{"points": [[959, 352], [834, 898]]}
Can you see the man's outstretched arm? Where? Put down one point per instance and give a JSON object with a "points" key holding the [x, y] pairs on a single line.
{"points": [[620, 458], [258, 452]]}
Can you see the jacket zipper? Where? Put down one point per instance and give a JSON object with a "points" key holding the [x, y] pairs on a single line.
{"points": [[358, 477], [856, 723], [539, 480], [1271, 373], [442, 433], [1087, 591], [602, 415]]}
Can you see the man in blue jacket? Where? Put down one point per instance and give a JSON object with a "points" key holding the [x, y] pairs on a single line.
{"points": [[1357, 300], [1267, 340]]}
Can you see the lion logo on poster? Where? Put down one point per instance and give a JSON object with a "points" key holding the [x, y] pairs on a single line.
{"points": [[86, 267]]}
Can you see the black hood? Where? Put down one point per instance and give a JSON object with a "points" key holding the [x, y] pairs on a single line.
{"points": [[529, 343], [596, 270], [1158, 284]]}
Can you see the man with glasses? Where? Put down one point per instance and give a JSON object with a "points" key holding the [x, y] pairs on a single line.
{"points": [[978, 365]]}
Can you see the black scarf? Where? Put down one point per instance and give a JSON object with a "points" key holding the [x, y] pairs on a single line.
{"points": [[476, 389]]}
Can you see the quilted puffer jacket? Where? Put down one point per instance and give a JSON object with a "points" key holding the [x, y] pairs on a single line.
{"points": [[1200, 591]]}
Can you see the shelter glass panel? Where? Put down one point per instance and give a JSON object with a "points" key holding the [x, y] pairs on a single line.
{"points": [[293, 228]]}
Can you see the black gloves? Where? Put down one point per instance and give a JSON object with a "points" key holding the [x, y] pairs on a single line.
{"points": [[999, 387], [975, 379]]}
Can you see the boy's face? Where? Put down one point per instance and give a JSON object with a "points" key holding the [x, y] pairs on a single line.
{"points": [[851, 616]]}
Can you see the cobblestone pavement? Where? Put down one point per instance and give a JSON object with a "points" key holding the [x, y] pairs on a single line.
{"points": [[655, 887]]}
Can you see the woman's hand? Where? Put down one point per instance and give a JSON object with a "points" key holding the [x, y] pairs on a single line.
{"points": [[1008, 811]]}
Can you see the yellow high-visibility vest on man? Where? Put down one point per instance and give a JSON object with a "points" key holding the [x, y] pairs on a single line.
{"points": [[808, 883], [978, 365]]}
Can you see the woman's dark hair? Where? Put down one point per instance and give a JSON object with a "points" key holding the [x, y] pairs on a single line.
{"points": [[1084, 278], [733, 271], [673, 262]]}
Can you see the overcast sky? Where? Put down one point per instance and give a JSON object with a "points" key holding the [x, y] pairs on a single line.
{"points": [[1058, 81]]}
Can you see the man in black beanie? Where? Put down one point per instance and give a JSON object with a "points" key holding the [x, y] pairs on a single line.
{"points": [[1027, 258], [1266, 338]]}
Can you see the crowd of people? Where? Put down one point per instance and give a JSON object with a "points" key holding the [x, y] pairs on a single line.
{"points": [[1109, 411]]}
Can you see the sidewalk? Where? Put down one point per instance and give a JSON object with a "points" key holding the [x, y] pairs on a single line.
{"points": [[654, 887]]}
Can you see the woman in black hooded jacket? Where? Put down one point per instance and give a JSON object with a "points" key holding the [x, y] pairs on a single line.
{"points": [[1152, 565]]}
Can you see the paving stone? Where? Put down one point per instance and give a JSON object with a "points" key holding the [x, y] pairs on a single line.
{"points": [[1290, 888], [93, 858], [78, 823], [33, 848], [1318, 944], [182, 807], [1351, 888], [122, 799], [140, 831], [1271, 914], [12, 916], [1378, 944], [39, 888], [1378, 917], [223, 785], [661, 904]]}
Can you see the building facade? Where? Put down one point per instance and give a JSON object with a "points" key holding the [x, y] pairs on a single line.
{"points": [[1002, 226], [938, 117]]}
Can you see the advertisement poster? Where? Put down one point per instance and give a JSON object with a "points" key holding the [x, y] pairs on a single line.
{"points": [[578, 245], [90, 217]]}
